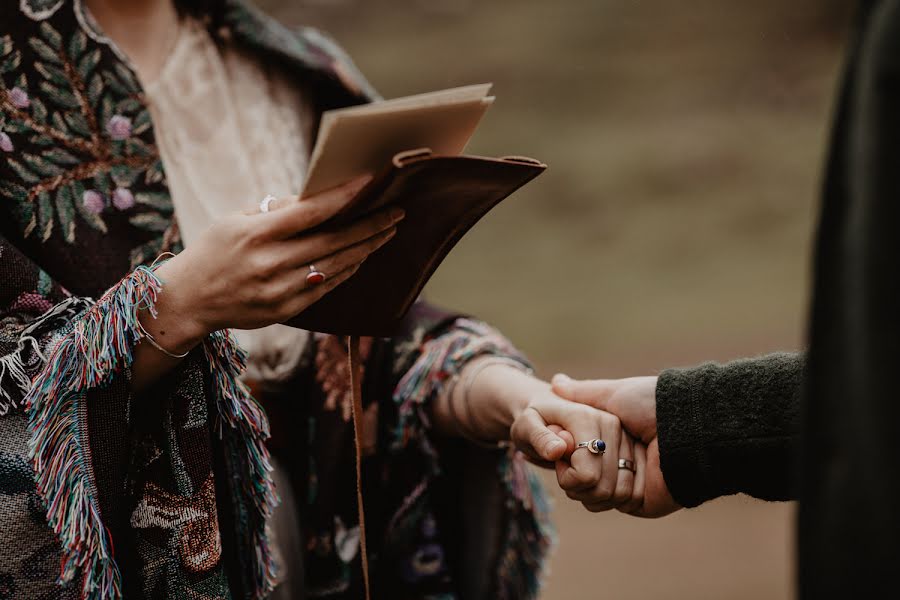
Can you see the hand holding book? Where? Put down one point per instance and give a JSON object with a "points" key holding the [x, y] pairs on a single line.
{"points": [[413, 146]]}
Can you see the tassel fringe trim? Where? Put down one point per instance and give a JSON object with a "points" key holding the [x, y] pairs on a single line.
{"points": [[98, 345]]}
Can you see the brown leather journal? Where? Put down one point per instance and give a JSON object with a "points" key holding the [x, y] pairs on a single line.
{"points": [[443, 196]]}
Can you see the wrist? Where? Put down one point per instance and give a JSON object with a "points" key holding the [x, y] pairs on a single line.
{"points": [[176, 326], [498, 393]]}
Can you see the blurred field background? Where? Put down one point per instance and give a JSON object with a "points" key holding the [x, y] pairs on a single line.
{"points": [[685, 144]]}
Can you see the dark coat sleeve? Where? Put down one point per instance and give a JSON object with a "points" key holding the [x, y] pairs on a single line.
{"points": [[732, 428]]}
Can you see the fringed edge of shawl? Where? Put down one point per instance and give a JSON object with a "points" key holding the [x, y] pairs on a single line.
{"points": [[530, 536], [241, 412], [441, 359], [99, 344]]}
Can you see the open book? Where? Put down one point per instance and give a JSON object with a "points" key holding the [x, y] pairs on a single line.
{"points": [[415, 147]]}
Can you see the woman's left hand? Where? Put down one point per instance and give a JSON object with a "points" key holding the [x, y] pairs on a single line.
{"points": [[595, 479]]}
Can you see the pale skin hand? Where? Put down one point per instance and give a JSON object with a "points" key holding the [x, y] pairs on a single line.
{"points": [[633, 400], [505, 403], [249, 270]]}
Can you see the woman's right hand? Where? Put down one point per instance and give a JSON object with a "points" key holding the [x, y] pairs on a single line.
{"points": [[249, 270]]}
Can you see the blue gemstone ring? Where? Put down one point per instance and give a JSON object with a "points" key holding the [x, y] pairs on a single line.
{"points": [[596, 446]]}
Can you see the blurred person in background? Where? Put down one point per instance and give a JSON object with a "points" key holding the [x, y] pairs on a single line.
{"points": [[820, 426], [133, 460]]}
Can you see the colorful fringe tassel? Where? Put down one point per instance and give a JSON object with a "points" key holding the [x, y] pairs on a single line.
{"points": [[97, 345], [240, 411]]}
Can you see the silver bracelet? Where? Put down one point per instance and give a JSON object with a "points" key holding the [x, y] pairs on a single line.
{"points": [[146, 335], [470, 380]]}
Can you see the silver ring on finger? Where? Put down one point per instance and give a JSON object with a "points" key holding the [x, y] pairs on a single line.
{"points": [[315, 276], [595, 446], [625, 463], [265, 202]]}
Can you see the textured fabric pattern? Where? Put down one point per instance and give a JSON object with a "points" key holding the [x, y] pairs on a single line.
{"points": [[732, 428]]}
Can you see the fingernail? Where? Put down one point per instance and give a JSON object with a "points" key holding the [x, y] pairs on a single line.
{"points": [[397, 214], [560, 379]]}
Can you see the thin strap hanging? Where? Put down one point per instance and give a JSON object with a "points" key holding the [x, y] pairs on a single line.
{"points": [[357, 410]]}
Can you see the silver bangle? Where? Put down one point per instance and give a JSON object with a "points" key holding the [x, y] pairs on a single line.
{"points": [[146, 335]]}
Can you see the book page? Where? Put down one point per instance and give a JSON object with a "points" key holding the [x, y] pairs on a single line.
{"points": [[364, 139]]}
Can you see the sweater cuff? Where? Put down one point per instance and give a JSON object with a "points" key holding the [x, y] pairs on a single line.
{"points": [[680, 433]]}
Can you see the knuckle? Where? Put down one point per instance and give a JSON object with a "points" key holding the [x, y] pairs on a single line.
{"points": [[603, 492]]}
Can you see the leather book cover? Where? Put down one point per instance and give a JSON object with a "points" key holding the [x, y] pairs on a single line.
{"points": [[443, 196]]}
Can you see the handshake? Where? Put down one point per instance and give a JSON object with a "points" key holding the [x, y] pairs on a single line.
{"points": [[600, 437]]}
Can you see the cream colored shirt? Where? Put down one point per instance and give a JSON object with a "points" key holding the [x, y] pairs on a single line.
{"points": [[230, 131]]}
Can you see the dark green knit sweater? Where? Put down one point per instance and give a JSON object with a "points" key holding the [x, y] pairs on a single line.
{"points": [[725, 429]]}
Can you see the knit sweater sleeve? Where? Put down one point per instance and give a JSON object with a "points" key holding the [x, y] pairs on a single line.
{"points": [[730, 428]]}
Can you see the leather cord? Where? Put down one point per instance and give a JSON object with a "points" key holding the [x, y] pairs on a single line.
{"points": [[357, 411]]}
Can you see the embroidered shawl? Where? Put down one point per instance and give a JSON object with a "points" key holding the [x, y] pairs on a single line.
{"points": [[103, 495]]}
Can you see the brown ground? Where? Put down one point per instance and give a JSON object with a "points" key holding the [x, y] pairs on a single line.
{"points": [[684, 142]]}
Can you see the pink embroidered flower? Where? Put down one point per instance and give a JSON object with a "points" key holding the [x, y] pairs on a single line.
{"points": [[122, 198], [6, 144], [19, 98], [119, 127], [94, 201]]}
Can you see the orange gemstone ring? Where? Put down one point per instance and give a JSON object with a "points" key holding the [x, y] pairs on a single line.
{"points": [[315, 276]]}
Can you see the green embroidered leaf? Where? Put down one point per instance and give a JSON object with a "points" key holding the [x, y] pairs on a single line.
{"points": [[158, 200], [142, 122], [66, 214], [44, 51], [78, 124], [12, 126], [41, 166], [113, 83], [155, 174], [103, 183], [61, 157], [150, 222], [45, 216], [77, 45], [135, 147], [106, 109], [128, 105], [94, 220], [13, 191], [24, 214], [59, 123], [11, 62], [59, 96], [38, 111], [146, 252], [95, 90], [127, 78], [123, 176], [87, 64], [51, 35], [42, 140], [6, 45], [23, 173], [52, 73], [22, 81]]}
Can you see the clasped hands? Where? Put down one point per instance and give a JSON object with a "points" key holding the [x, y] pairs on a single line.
{"points": [[620, 412]]}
